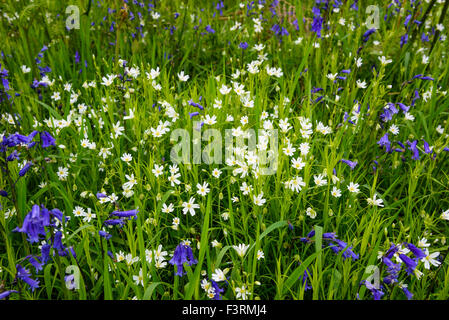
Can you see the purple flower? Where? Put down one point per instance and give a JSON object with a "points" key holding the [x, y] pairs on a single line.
{"points": [[367, 34], [114, 222], [13, 156], [243, 45], [403, 107], [47, 139], [125, 214], [414, 149], [304, 279], [407, 293], [197, 105], [426, 147], [409, 262], [25, 168], [45, 253], [6, 294], [404, 39], [104, 234], [35, 262], [392, 270], [317, 25], [217, 290], [101, 195], [419, 254], [343, 247], [183, 254], [33, 224], [351, 164], [57, 244], [384, 142], [393, 249], [376, 292], [24, 275], [70, 281], [193, 114], [209, 29]]}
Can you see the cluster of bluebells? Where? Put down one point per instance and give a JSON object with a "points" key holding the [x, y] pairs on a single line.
{"points": [[388, 121], [45, 226], [408, 258]]}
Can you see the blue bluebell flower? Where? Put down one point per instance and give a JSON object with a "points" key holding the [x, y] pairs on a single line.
{"points": [[24, 275], [351, 164], [104, 234], [125, 214], [183, 254], [7, 293], [47, 139]]}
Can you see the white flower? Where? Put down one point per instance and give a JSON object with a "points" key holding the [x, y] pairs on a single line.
{"points": [[139, 278], [190, 207], [25, 69], [154, 73], [289, 150], [56, 96], [173, 179], [311, 213], [331, 76], [296, 184], [423, 243], [384, 61], [203, 189], [155, 15], [79, 211], [168, 209], [62, 173], [409, 116], [216, 173], [429, 259], [219, 275], [259, 201], [126, 157], [353, 187], [183, 77], [260, 254], [89, 215], [319, 180], [304, 148], [241, 249], [361, 84], [210, 120], [445, 215], [336, 192], [224, 90], [158, 170], [242, 292], [298, 164], [374, 201], [394, 129]]}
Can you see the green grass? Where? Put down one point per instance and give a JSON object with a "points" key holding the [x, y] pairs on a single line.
{"points": [[414, 192]]}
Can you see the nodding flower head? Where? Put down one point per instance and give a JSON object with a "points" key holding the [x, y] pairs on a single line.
{"points": [[125, 214], [34, 224], [351, 164], [47, 139], [183, 254], [24, 275]]}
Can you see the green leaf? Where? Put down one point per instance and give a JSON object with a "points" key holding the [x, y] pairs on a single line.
{"points": [[149, 291]]}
